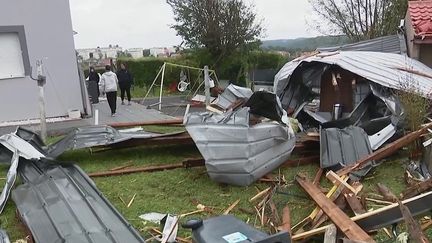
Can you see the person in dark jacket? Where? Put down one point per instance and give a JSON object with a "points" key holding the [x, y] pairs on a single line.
{"points": [[125, 82], [94, 77]]}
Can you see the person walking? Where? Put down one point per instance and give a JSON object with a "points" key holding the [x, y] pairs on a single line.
{"points": [[93, 79], [108, 84], [125, 82]]}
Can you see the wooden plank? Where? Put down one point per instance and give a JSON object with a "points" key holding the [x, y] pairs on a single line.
{"points": [[184, 164], [387, 150], [354, 203], [339, 218], [176, 121], [330, 234]]}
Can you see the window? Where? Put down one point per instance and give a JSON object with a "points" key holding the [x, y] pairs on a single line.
{"points": [[11, 56]]}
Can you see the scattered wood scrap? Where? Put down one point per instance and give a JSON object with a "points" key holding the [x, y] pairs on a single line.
{"points": [[336, 180], [339, 218], [318, 176], [231, 207], [414, 229], [286, 220], [260, 194], [321, 230]]}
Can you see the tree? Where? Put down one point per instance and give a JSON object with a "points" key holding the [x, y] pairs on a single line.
{"points": [[222, 27], [360, 19]]}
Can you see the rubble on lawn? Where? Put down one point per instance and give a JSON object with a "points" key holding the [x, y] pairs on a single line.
{"points": [[337, 110]]}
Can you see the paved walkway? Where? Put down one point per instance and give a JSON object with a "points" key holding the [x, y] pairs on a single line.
{"points": [[125, 113]]}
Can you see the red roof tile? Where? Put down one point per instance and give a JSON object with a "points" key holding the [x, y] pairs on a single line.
{"points": [[421, 17]]}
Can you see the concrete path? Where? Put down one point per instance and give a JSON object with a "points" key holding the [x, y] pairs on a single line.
{"points": [[125, 113]]}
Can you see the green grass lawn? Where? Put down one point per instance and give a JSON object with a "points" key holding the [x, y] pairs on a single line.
{"points": [[179, 191]]}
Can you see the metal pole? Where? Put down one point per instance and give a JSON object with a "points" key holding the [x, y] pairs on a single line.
{"points": [[207, 85], [41, 82], [161, 87]]}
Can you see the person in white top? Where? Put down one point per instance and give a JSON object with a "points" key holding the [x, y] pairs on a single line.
{"points": [[108, 85]]}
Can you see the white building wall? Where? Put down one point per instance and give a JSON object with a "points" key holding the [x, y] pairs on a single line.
{"points": [[49, 36]]}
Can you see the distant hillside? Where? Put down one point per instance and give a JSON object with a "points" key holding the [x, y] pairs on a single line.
{"points": [[304, 44]]}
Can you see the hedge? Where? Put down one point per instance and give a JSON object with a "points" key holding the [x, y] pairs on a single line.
{"points": [[234, 68]]}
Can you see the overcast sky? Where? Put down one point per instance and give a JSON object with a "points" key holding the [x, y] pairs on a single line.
{"points": [[145, 23]]}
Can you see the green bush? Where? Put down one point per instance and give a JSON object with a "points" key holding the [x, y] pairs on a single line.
{"points": [[234, 68]]}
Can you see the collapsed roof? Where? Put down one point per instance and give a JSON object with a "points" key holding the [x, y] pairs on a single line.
{"points": [[386, 69]]}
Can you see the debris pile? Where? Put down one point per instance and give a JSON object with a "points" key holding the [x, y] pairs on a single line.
{"points": [[337, 110]]}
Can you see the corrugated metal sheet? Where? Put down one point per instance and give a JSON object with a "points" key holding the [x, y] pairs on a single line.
{"points": [[87, 137], [236, 153], [60, 203], [343, 146], [386, 69], [388, 44]]}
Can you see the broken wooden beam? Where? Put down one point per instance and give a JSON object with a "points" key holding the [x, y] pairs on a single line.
{"points": [[387, 150], [417, 189], [354, 203], [175, 121], [185, 164], [339, 218]]}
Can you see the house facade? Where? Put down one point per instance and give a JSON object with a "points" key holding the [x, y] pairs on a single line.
{"points": [[32, 31], [418, 28]]}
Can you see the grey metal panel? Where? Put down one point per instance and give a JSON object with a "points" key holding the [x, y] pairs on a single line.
{"points": [[236, 153], [49, 36], [382, 68], [59, 203], [388, 44], [343, 146], [231, 94]]}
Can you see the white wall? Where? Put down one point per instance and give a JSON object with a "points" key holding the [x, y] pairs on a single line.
{"points": [[49, 35]]}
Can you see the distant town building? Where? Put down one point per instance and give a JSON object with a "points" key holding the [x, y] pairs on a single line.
{"points": [[98, 53], [162, 51], [136, 52]]}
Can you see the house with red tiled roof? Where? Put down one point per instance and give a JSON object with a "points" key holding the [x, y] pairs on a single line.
{"points": [[418, 28]]}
